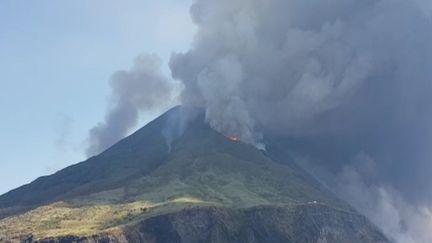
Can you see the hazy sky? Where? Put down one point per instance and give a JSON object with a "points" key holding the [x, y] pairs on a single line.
{"points": [[56, 58]]}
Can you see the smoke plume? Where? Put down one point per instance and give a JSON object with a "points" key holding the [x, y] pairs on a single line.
{"points": [[403, 221], [333, 79], [143, 88]]}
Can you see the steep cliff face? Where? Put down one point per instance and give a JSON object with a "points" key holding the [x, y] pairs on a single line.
{"points": [[177, 180], [303, 223]]}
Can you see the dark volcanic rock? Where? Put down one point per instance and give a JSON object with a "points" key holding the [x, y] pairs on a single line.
{"points": [[305, 223], [75, 239], [300, 224]]}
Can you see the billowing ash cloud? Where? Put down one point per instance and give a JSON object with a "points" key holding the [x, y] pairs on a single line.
{"points": [[332, 79], [398, 218], [279, 63], [142, 88]]}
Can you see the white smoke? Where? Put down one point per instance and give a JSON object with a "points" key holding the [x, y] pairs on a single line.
{"points": [[383, 205], [143, 88]]}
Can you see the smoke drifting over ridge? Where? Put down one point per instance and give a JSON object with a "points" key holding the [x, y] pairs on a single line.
{"points": [[143, 88], [336, 80], [345, 84]]}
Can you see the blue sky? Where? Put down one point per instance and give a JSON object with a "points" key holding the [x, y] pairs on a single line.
{"points": [[56, 58]]}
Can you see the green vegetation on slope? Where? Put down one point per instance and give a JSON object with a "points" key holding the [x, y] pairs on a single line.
{"points": [[141, 178], [62, 219]]}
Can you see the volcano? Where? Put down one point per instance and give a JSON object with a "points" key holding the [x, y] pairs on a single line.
{"points": [[178, 180]]}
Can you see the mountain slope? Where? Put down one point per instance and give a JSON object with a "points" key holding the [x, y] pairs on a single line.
{"points": [[177, 180]]}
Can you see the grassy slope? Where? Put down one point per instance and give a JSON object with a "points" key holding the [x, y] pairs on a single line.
{"points": [[138, 178], [204, 168], [62, 219], [133, 157]]}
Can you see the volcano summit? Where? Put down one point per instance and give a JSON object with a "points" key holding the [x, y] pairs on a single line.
{"points": [[177, 180]]}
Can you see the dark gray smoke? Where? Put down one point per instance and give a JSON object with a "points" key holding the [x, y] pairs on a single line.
{"points": [[143, 88], [341, 82]]}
